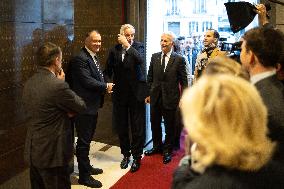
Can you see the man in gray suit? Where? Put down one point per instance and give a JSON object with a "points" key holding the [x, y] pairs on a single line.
{"points": [[49, 103], [167, 77], [261, 51]]}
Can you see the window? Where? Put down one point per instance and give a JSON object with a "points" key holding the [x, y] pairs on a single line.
{"points": [[206, 25], [199, 6], [174, 27], [193, 27]]}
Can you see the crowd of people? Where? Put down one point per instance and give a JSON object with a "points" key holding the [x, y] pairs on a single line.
{"points": [[232, 112]]}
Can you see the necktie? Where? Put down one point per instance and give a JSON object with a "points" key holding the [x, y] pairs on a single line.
{"points": [[163, 62], [98, 67]]}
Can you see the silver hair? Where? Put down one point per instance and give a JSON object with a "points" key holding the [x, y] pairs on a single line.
{"points": [[126, 26], [171, 34]]}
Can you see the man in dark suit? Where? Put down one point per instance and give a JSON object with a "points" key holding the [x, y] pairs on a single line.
{"points": [[166, 72], [88, 82], [261, 51], [49, 102], [126, 66]]}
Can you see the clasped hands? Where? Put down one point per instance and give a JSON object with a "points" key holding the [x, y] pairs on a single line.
{"points": [[109, 87]]}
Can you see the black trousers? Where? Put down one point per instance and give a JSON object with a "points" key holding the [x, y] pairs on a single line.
{"points": [[85, 127], [130, 118], [50, 178], [178, 129], [158, 112]]}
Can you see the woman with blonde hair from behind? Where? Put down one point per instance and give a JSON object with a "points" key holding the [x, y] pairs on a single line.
{"points": [[228, 126], [226, 65]]}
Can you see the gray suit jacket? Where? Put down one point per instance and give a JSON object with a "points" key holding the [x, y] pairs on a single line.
{"points": [[47, 100], [272, 93], [167, 84]]}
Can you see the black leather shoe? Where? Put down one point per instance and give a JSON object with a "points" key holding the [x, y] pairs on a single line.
{"points": [[153, 151], [135, 165], [167, 157], [96, 171], [90, 182], [124, 162]]}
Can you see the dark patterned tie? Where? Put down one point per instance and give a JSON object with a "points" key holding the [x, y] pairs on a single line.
{"points": [[98, 67]]}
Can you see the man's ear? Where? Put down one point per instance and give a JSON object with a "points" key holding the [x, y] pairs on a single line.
{"points": [[253, 58]]}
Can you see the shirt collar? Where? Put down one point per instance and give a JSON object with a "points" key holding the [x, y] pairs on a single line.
{"points": [[90, 52], [255, 78], [168, 54]]}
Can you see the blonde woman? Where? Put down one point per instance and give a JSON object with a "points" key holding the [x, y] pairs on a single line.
{"points": [[228, 127], [226, 65]]}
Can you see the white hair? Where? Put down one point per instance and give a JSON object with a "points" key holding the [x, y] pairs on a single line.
{"points": [[170, 34], [126, 26]]}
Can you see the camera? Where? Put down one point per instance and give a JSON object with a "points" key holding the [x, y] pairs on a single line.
{"points": [[233, 49]]}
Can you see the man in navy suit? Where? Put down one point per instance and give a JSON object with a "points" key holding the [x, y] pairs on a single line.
{"points": [[262, 49], [166, 73], [88, 82], [126, 66]]}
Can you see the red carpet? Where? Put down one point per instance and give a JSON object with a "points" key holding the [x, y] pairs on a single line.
{"points": [[153, 173]]}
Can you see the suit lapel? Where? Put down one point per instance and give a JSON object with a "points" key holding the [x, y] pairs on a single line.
{"points": [[170, 62], [93, 68], [119, 53]]}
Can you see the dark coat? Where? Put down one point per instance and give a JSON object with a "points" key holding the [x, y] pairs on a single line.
{"points": [[47, 100], [217, 177], [87, 81], [167, 83], [128, 75], [272, 93]]}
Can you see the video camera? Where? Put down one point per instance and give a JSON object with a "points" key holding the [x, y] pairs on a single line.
{"points": [[233, 49]]}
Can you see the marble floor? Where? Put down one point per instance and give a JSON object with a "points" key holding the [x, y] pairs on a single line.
{"points": [[106, 157]]}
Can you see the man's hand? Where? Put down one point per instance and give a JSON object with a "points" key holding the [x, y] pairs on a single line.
{"points": [[61, 75], [109, 87], [123, 41], [147, 100], [262, 14]]}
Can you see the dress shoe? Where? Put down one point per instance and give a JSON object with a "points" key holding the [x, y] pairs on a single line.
{"points": [[135, 165], [124, 162], [90, 182], [153, 151], [96, 171], [167, 157]]}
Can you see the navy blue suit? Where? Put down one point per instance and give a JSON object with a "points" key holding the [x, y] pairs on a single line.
{"points": [[129, 92], [88, 82]]}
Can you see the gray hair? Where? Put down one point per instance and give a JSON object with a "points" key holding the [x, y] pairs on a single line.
{"points": [[170, 34], [126, 26]]}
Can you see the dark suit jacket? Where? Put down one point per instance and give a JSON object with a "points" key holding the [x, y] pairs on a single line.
{"points": [[47, 100], [87, 82], [167, 83], [272, 93], [216, 177], [129, 75]]}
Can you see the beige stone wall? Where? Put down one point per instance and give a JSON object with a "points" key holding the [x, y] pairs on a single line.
{"points": [[280, 17]]}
